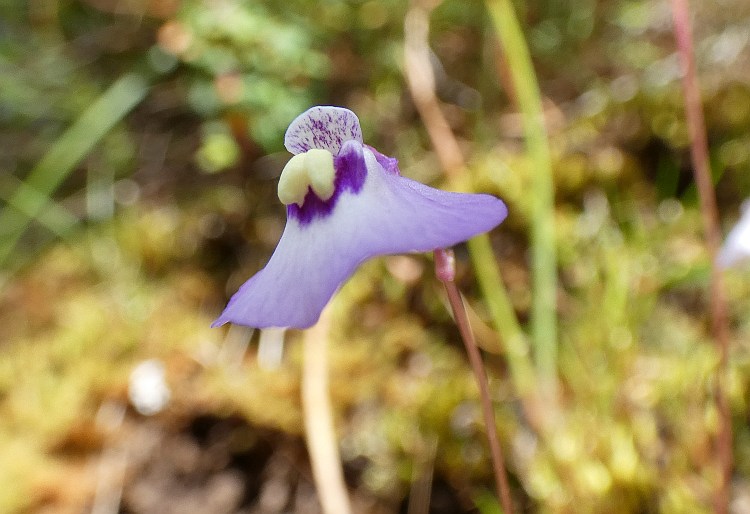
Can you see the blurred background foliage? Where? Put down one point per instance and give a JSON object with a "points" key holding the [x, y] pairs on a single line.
{"points": [[140, 145]]}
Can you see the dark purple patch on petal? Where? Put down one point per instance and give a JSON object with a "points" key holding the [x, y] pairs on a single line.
{"points": [[313, 207], [389, 164], [351, 172]]}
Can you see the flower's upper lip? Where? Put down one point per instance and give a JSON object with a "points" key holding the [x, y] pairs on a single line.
{"points": [[323, 127]]}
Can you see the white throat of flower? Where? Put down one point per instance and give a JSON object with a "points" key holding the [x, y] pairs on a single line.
{"points": [[312, 169]]}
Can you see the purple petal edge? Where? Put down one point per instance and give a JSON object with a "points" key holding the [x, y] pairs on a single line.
{"points": [[389, 164], [324, 127]]}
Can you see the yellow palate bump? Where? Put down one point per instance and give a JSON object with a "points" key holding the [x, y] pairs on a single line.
{"points": [[293, 181], [320, 169], [312, 169]]}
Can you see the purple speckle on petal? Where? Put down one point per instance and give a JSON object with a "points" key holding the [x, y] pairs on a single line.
{"points": [[351, 172], [326, 127]]}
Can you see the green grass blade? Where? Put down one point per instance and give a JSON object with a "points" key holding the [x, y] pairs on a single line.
{"points": [[53, 217], [543, 251], [503, 315], [31, 199]]}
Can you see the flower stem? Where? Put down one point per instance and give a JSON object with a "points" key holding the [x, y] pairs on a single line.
{"points": [[709, 213], [421, 81], [318, 415], [543, 251], [445, 271]]}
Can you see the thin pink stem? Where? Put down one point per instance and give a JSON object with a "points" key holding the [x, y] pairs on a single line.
{"points": [[445, 271], [709, 213]]}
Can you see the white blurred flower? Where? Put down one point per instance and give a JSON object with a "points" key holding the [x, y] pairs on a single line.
{"points": [[148, 390], [736, 247], [271, 348]]}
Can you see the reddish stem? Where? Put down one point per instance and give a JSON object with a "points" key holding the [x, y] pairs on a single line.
{"points": [[446, 271], [709, 213]]}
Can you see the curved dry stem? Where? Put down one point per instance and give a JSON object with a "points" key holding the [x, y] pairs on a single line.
{"points": [[318, 416], [709, 214], [421, 80]]}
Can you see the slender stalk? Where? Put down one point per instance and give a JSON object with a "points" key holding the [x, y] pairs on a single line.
{"points": [[445, 271], [543, 251], [709, 214], [421, 81], [318, 416]]}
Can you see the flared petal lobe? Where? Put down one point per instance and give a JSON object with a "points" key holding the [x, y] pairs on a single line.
{"points": [[379, 213], [324, 128]]}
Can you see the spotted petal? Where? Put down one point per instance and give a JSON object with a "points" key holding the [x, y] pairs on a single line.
{"points": [[387, 214], [323, 127]]}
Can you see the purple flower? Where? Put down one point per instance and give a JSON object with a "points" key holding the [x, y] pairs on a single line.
{"points": [[346, 202], [736, 247]]}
